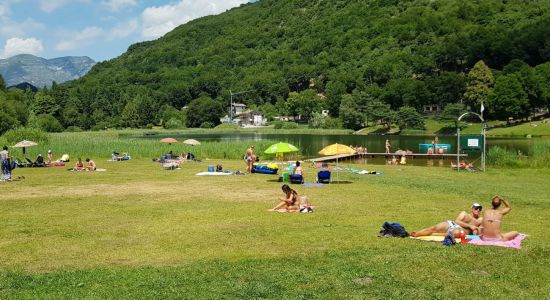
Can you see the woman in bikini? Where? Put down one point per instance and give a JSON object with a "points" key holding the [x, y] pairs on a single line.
{"points": [[492, 222], [289, 203]]}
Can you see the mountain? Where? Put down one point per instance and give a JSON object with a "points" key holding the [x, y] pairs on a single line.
{"points": [[42, 72], [400, 52]]}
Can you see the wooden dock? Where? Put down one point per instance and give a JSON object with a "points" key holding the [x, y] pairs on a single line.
{"points": [[383, 155]]}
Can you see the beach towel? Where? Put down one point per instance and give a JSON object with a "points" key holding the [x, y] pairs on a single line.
{"points": [[515, 243], [312, 184], [213, 173], [432, 238]]}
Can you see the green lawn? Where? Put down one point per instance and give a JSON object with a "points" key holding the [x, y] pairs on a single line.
{"points": [[137, 231]]}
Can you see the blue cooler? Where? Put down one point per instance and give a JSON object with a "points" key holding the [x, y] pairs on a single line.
{"points": [[210, 168]]}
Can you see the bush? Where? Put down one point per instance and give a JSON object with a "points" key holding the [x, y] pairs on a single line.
{"points": [[173, 123], [290, 125], [25, 133], [501, 157], [227, 126], [73, 129], [207, 124], [278, 124], [100, 126], [48, 123]]}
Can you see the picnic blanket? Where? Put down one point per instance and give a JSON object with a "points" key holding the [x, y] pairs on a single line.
{"points": [[515, 243]]}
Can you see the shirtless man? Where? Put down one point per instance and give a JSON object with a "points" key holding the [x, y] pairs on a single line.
{"points": [[91, 165], [249, 159], [469, 223], [492, 221]]}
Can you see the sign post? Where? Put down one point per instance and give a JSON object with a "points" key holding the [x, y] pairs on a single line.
{"points": [[473, 142]]}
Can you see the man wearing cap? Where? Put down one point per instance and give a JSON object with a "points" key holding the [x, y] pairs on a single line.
{"points": [[492, 221], [467, 222]]}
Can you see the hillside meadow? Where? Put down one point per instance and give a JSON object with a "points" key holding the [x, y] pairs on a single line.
{"points": [[138, 231]]}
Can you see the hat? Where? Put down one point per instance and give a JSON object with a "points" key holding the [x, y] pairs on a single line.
{"points": [[49, 151], [476, 205]]}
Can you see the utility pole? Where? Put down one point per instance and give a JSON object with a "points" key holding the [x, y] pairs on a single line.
{"points": [[231, 103]]}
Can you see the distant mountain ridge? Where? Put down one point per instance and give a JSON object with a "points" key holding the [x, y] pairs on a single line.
{"points": [[42, 72]]}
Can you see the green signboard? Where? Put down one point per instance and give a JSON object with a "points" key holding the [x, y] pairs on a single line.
{"points": [[471, 142]]}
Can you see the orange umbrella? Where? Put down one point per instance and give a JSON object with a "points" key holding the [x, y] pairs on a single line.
{"points": [[337, 149], [168, 140]]}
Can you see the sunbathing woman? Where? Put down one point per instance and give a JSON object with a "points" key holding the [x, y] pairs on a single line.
{"points": [[492, 222], [79, 166], [288, 204]]}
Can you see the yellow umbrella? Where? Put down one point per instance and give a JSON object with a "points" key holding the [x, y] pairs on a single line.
{"points": [[337, 149]]}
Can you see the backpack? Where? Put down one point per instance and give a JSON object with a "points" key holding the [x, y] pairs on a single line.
{"points": [[218, 168], [393, 230]]}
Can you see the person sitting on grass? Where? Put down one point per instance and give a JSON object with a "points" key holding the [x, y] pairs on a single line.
{"points": [[492, 222], [289, 203], [464, 222], [79, 166], [91, 165]]}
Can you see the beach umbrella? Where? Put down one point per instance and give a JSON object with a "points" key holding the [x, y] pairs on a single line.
{"points": [[169, 140], [191, 142], [23, 144], [280, 148], [337, 149]]}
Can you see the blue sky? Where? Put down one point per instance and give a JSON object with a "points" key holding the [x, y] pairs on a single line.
{"points": [[100, 29]]}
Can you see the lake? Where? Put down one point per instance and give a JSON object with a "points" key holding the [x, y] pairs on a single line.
{"points": [[310, 145]]}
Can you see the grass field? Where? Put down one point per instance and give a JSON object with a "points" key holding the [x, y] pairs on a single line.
{"points": [[137, 231]]}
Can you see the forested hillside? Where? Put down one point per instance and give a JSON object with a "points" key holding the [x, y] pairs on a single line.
{"points": [[370, 58]]}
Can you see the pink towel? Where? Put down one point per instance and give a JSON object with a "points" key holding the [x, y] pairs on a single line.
{"points": [[515, 243]]}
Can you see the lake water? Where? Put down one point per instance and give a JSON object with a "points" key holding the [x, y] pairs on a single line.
{"points": [[310, 145]]}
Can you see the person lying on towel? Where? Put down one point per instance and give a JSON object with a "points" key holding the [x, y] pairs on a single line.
{"points": [[492, 222], [468, 223]]}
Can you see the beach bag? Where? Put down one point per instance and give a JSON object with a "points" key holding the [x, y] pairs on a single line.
{"points": [[393, 230]]}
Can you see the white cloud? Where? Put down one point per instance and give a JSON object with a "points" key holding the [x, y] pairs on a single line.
{"points": [[115, 5], [9, 28], [51, 5], [16, 46], [80, 39], [122, 30], [4, 10], [158, 20]]}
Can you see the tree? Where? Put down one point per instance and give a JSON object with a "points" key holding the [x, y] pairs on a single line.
{"points": [[451, 112], [350, 114], [509, 99], [334, 92], [409, 118], [45, 104], [479, 84], [48, 123], [2, 83], [378, 111], [543, 78], [202, 110], [8, 122], [303, 104], [130, 116]]}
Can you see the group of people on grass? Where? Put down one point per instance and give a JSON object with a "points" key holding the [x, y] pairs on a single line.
{"points": [[487, 226], [90, 165]]}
